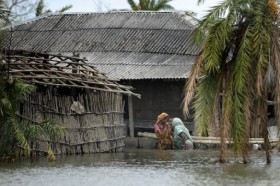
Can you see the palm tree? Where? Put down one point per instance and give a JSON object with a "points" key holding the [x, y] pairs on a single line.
{"points": [[154, 5], [40, 9], [229, 78]]}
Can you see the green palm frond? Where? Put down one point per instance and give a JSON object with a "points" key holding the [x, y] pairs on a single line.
{"points": [[153, 5], [191, 83], [243, 94], [53, 130], [40, 8], [200, 1], [133, 5], [23, 89], [51, 155], [144, 4], [17, 91], [242, 63], [204, 102], [215, 13], [217, 41], [261, 45], [4, 104], [18, 134], [163, 5], [16, 131], [201, 31], [241, 69], [65, 8]]}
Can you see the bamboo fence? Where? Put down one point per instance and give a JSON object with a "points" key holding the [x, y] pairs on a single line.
{"points": [[100, 128]]}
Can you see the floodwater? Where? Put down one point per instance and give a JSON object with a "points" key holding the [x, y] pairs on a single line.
{"points": [[143, 167]]}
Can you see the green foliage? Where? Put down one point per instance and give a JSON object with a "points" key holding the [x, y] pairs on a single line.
{"points": [[204, 101], [15, 131], [154, 5], [4, 16], [133, 5], [237, 37], [41, 6], [65, 8]]}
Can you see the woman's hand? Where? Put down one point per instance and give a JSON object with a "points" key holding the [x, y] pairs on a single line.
{"points": [[186, 147], [184, 139]]}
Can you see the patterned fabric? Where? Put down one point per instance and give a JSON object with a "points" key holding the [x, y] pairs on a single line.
{"points": [[161, 117], [163, 130]]}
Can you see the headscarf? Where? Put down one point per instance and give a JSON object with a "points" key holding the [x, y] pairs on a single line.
{"points": [[179, 127], [161, 117]]}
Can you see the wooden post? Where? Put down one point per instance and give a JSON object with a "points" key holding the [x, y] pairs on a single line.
{"points": [[130, 115]]}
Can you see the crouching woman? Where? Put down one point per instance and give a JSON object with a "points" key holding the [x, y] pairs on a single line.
{"points": [[182, 138]]}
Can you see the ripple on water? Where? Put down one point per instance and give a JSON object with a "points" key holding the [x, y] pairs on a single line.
{"points": [[144, 167]]}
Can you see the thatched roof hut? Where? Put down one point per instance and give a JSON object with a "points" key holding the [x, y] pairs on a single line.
{"points": [[74, 94]]}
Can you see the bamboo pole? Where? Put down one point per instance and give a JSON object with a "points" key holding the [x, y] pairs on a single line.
{"points": [[210, 140]]}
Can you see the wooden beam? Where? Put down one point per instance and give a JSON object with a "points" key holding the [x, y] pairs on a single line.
{"points": [[74, 79], [91, 88], [130, 113]]}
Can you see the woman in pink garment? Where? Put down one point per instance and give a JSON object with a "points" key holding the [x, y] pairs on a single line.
{"points": [[163, 130]]}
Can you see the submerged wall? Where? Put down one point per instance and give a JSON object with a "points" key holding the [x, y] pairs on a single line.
{"points": [[93, 120]]}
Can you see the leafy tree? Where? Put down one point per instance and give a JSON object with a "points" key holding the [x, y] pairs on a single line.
{"points": [[154, 5], [41, 6], [240, 49], [15, 131]]}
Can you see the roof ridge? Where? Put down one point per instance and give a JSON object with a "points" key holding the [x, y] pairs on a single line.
{"points": [[123, 11], [116, 28], [178, 13]]}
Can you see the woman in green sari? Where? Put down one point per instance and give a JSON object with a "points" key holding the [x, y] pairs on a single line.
{"points": [[182, 138]]}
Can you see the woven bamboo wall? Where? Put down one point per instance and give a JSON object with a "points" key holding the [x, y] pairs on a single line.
{"points": [[100, 128]]}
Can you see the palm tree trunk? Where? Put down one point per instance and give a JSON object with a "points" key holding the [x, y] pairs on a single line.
{"points": [[222, 158], [246, 138], [264, 122], [250, 113], [224, 122]]}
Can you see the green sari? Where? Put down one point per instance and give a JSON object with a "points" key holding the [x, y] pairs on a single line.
{"points": [[179, 127]]}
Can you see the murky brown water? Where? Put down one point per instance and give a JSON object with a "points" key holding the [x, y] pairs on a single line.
{"points": [[143, 167]]}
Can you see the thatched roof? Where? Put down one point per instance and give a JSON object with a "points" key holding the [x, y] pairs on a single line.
{"points": [[59, 71], [142, 45]]}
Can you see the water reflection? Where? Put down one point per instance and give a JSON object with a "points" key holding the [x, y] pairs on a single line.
{"points": [[143, 167]]}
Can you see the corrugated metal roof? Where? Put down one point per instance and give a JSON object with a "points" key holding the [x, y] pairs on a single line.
{"points": [[135, 66], [153, 32], [125, 45], [130, 19]]}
